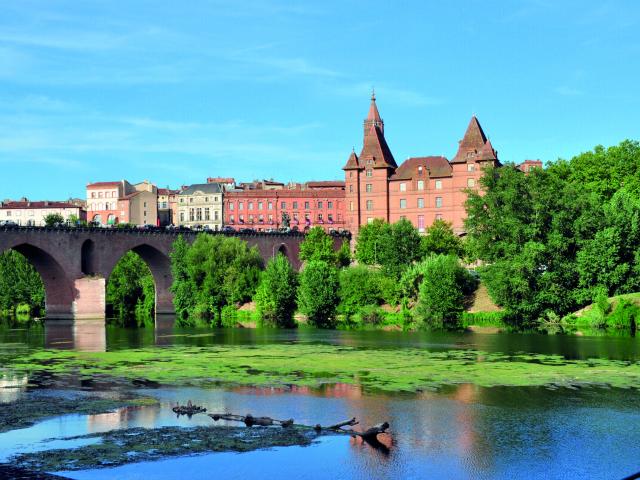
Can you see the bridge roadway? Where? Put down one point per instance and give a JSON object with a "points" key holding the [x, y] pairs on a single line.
{"points": [[75, 263]]}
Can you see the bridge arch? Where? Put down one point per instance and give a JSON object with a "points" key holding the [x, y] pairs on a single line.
{"points": [[59, 289], [160, 266]]}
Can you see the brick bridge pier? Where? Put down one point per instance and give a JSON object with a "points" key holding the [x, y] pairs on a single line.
{"points": [[75, 263]]}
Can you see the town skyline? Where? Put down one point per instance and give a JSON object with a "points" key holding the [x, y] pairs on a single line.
{"points": [[98, 91]]}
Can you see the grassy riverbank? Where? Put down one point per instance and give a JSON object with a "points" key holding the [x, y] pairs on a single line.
{"points": [[314, 365]]}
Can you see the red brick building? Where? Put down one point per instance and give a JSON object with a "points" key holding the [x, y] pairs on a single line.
{"points": [[260, 205], [421, 189]]}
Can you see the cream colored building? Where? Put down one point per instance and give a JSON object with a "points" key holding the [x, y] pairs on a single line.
{"points": [[26, 213], [110, 203], [200, 205]]}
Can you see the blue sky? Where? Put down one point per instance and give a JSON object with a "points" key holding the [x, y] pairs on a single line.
{"points": [[174, 92]]}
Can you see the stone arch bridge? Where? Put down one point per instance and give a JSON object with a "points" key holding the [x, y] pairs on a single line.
{"points": [[75, 263]]}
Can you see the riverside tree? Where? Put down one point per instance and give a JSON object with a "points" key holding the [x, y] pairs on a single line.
{"points": [[213, 272], [441, 292], [318, 293], [131, 291], [555, 238], [20, 284], [317, 245], [276, 295]]}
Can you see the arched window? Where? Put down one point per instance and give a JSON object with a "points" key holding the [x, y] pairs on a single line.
{"points": [[97, 218], [112, 219]]}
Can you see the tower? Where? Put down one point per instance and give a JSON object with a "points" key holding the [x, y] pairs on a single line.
{"points": [[367, 175]]}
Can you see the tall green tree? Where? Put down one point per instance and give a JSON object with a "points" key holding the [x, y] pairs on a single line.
{"points": [[20, 283], [359, 286], [439, 239], [369, 244], [318, 293], [130, 291], [317, 245], [214, 271], [441, 293], [276, 295]]}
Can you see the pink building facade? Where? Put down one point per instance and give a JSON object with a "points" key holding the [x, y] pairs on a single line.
{"points": [[421, 189], [307, 205]]}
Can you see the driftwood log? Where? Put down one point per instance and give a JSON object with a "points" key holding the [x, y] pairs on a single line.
{"points": [[369, 436]]}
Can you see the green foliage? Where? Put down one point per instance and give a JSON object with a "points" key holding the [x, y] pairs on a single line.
{"points": [[213, 272], [318, 293], [555, 237], [439, 239], [393, 247], [344, 254], [625, 315], [53, 219], [20, 284], [131, 292], [317, 245], [359, 286], [369, 242], [441, 293], [276, 295]]}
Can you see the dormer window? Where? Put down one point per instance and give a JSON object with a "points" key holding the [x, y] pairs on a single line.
{"points": [[420, 169], [369, 173]]}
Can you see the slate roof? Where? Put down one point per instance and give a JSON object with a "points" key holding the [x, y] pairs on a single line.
{"points": [[435, 166], [202, 187]]}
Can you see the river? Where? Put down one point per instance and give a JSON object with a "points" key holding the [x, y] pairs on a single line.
{"points": [[459, 432]]}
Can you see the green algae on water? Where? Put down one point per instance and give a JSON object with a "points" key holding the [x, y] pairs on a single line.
{"points": [[387, 370]]}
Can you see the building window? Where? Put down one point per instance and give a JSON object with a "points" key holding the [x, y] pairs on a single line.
{"points": [[438, 184], [369, 220], [182, 200], [231, 218], [369, 173], [181, 217], [295, 205], [206, 199], [471, 182], [350, 188], [283, 205], [329, 205], [403, 187], [319, 204], [420, 169], [295, 216], [438, 202], [206, 214], [438, 216], [260, 205], [350, 174], [369, 204], [270, 218], [351, 206], [306, 205], [198, 214], [240, 205], [241, 218], [269, 205], [215, 199], [369, 188], [190, 199], [420, 184], [421, 203], [320, 217], [250, 206], [231, 206], [403, 203], [421, 223], [471, 167], [216, 215], [100, 195], [93, 194], [191, 215], [250, 218]]}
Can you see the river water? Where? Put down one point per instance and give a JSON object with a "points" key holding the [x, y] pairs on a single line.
{"points": [[461, 432]]}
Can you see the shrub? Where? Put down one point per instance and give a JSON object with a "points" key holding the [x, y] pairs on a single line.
{"points": [[370, 315], [483, 319], [359, 286], [229, 316], [318, 293], [441, 293], [276, 295], [625, 315]]}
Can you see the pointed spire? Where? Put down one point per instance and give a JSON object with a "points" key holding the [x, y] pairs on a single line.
{"points": [[474, 145], [352, 162]]}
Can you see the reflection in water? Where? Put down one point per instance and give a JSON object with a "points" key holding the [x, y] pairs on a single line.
{"points": [[84, 335], [12, 386]]}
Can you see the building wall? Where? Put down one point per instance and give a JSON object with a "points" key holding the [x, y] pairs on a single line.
{"points": [[25, 216], [143, 208], [203, 209], [263, 209]]}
